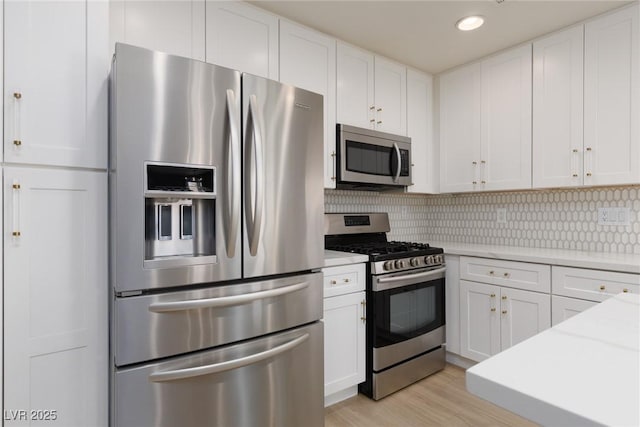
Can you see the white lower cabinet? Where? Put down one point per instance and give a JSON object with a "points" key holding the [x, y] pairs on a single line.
{"points": [[563, 308], [55, 293], [494, 318], [577, 289], [344, 332]]}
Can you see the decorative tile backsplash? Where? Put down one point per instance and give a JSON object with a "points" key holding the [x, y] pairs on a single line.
{"points": [[563, 219]]}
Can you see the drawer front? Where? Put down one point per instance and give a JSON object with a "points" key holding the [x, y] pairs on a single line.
{"points": [[513, 274], [150, 327], [592, 285], [563, 308], [344, 279]]}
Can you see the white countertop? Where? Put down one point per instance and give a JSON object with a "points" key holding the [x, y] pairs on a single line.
{"points": [[584, 371], [629, 263], [335, 258]]}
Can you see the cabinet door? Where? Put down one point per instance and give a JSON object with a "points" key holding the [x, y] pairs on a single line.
{"points": [[563, 308], [308, 61], [242, 37], [479, 320], [460, 130], [420, 130], [55, 328], [390, 89], [173, 26], [505, 162], [523, 314], [557, 109], [355, 104], [45, 86], [344, 341], [611, 96]]}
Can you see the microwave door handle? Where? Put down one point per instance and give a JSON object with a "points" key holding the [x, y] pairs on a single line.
{"points": [[258, 146], [397, 149], [181, 374], [173, 306], [233, 164], [385, 283]]}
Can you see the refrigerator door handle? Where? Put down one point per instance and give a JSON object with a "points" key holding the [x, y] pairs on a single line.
{"points": [[167, 307], [257, 176], [233, 178], [215, 368]]}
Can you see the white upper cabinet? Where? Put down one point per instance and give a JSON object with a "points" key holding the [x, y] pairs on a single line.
{"points": [[611, 96], [420, 130], [485, 124], [460, 129], [557, 109], [372, 91], [355, 87], [505, 162], [55, 99], [308, 61], [173, 26], [242, 37], [390, 96]]}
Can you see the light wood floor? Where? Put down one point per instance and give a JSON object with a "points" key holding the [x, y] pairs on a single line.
{"points": [[438, 400]]}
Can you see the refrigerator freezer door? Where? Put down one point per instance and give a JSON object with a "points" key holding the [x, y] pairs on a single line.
{"points": [[275, 380], [173, 114], [283, 184], [152, 326]]}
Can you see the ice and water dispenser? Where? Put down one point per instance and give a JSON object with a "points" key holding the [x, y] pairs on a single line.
{"points": [[179, 214]]}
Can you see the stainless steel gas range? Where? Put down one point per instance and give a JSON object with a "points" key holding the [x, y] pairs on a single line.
{"points": [[405, 301]]}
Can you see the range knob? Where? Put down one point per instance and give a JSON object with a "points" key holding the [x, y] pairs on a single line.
{"points": [[414, 262], [428, 260], [400, 264], [388, 266], [439, 259]]}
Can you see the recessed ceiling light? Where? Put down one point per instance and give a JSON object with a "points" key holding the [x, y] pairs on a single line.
{"points": [[470, 23]]}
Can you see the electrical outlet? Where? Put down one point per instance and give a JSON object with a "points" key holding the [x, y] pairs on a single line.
{"points": [[614, 216], [501, 215]]}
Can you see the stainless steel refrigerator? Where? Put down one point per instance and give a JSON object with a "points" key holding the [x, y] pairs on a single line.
{"points": [[216, 219]]}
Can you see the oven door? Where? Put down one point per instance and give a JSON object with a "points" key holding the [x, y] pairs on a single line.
{"points": [[367, 159], [408, 314]]}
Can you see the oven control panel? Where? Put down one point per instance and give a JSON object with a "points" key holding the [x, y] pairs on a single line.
{"points": [[401, 264]]}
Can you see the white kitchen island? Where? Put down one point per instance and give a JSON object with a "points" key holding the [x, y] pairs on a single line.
{"points": [[584, 371]]}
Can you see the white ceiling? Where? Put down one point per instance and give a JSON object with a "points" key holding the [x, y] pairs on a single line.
{"points": [[422, 33]]}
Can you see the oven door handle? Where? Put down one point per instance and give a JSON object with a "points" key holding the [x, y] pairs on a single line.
{"points": [[386, 283], [167, 307], [181, 374]]}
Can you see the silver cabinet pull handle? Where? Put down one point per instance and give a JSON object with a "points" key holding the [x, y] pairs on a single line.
{"points": [[17, 140], [198, 371], [233, 187], [256, 176], [574, 163], [590, 168], [168, 307], [395, 146], [15, 195], [476, 174]]}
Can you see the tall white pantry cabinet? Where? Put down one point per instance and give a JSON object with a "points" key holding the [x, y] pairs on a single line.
{"points": [[55, 323]]}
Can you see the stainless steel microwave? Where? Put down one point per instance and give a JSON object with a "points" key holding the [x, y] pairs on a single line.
{"points": [[371, 160]]}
